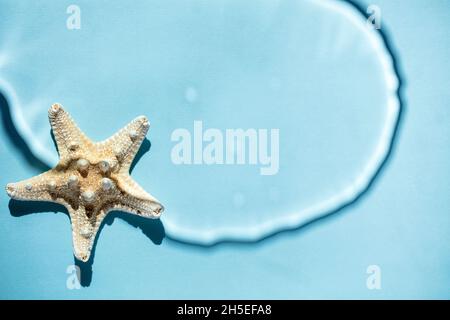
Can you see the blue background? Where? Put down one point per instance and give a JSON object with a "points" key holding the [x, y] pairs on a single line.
{"points": [[402, 224]]}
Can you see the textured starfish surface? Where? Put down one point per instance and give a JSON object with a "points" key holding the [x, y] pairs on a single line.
{"points": [[90, 179]]}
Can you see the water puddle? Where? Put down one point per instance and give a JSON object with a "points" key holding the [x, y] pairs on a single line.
{"points": [[264, 115]]}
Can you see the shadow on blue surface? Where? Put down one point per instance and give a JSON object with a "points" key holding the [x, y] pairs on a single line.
{"points": [[154, 229], [17, 140]]}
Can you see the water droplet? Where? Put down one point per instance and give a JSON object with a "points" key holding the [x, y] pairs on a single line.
{"points": [[191, 94], [238, 200]]}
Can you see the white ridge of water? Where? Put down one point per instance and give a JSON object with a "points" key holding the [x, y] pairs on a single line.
{"points": [[277, 223], [350, 193]]}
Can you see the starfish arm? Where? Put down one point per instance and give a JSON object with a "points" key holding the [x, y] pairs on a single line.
{"points": [[84, 230], [38, 188], [68, 137], [126, 142], [136, 200]]}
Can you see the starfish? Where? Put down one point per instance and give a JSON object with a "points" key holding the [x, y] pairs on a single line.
{"points": [[91, 178]]}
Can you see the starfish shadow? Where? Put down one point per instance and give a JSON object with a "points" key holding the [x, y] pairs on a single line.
{"points": [[152, 228]]}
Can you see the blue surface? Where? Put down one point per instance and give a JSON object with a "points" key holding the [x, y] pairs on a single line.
{"points": [[401, 224]]}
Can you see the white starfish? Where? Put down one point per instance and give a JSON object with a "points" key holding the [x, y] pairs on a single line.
{"points": [[91, 179]]}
